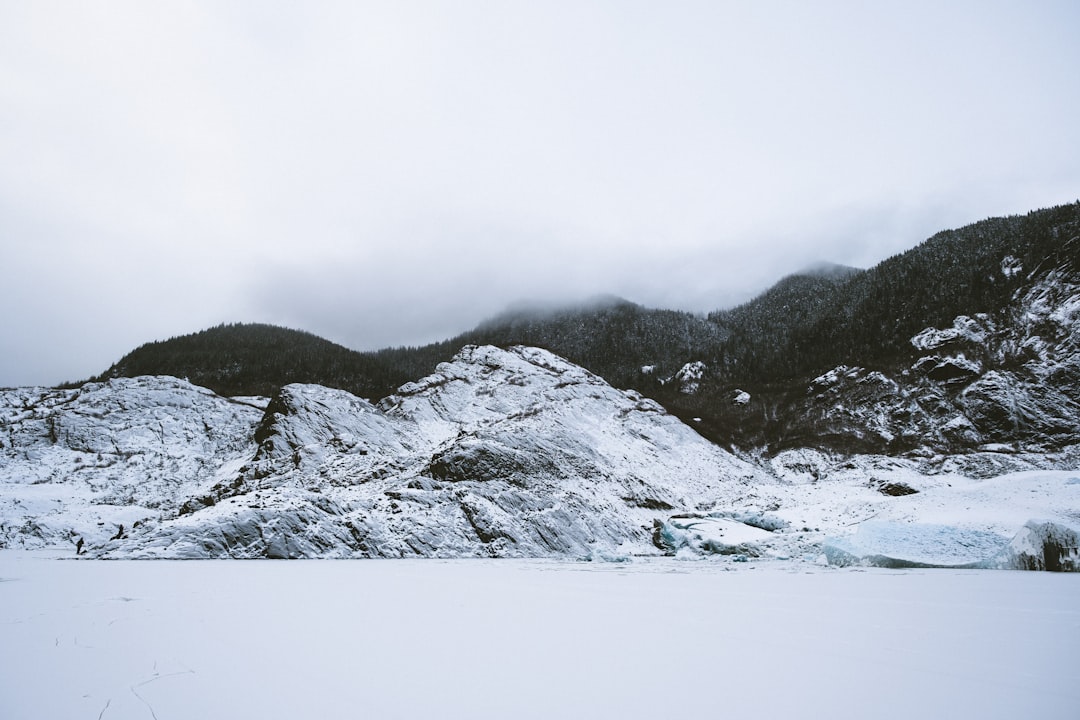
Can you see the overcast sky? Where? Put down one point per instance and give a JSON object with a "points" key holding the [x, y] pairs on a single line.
{"points": [[392, 173]]}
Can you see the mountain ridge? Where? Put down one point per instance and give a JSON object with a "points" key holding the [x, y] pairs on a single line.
{"points": [[936, 395], [775, 345]]}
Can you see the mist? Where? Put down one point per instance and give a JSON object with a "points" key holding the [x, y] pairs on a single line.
{"points": [[389, 174]]}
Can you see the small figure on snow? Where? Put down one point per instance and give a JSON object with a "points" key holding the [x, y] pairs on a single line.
{"points": [[78, 547]]}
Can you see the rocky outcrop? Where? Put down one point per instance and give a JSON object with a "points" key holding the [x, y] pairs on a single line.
{"points": [[94, 461], [499, 453], [1042, 545], [1003, 385]]}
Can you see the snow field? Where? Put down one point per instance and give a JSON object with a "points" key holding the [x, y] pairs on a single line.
{"points": [[529, 639]]}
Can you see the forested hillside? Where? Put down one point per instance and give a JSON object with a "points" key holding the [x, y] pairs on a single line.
{"points": [[1013, 279], [248, 359], [806, 323], [614, 339], [771, 346]]}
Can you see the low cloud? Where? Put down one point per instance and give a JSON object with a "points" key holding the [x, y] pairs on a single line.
{"points": [[392, 174]]}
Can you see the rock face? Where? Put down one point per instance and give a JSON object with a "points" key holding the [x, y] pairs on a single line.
{"points": [[1007, 384], [81, 463], [499, 453], [689, 377], [1043, 545]]}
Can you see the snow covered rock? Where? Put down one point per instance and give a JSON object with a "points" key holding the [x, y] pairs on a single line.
{"points": [[499, 453], [1042, 545], [94, 461], [830, 379], [974, 330], [1011, 383], [800, 466], [690, 376], [949, 369]]}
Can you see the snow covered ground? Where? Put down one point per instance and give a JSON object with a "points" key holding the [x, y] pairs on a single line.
{"points": [[530, 639]]}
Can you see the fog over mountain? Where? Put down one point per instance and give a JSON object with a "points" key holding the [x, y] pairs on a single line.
{"points": [[965, 341], [391, 174]]}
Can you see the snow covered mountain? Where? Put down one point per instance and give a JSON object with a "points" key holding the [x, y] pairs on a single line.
{"points": [[499, 453], [880, 416]]}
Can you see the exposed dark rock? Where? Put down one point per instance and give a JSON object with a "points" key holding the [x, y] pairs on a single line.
{"points": [[893, 489], [1042, 545]]}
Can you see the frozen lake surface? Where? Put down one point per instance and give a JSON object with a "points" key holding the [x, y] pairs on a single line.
{"points": [[516, 639]]}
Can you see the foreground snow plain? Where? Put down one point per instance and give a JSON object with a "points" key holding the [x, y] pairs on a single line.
{"points": [[530, 639]]}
